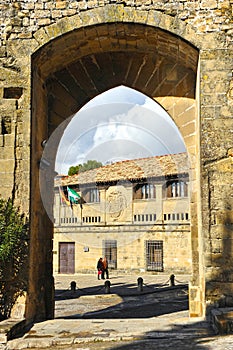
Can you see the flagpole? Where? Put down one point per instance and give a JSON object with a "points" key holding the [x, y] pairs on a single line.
{"points": [[60, 202], [81, 211]]}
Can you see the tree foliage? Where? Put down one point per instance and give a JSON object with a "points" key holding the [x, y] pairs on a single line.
{"points": [[73, 170], [14, 241], [90, 164]]}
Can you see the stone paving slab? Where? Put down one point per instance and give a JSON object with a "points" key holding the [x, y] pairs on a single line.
{"points": [[61, 332], [167, 331], [164, 332]]}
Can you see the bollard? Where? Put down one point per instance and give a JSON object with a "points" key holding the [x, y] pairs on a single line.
{"points": [[140, 284], [172, 280], [73, 286], [107, 285]]}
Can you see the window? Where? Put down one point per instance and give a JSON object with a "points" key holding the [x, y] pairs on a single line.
{"points": [[176, 216], [146, 217], [91, 219], [144, 191], [154, 255], [110, 251], [91, 195], [177, 189], [94, 195]]}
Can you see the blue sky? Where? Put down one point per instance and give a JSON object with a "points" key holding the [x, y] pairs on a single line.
{"points": [[117, 125]]}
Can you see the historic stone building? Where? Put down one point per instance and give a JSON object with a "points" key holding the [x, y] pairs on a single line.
{"points": [[134, 212], [57, 55]]}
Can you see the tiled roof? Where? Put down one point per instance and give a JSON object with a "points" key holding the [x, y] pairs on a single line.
{"points": [[135, 169]]}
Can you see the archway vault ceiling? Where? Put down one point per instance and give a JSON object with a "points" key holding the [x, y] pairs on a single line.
{"points": [[78, 66]]}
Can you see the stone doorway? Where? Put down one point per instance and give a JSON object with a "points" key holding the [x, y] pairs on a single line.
{"points": [[69, 71]]}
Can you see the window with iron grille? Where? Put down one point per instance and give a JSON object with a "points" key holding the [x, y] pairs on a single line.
{"points": [[154, 255], [91, 195], [145, 217], [144, 191], [110, 251], [177, 189]]}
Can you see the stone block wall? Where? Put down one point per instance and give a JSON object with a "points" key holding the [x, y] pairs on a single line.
{"points": [[21, 19], [26, 26]]}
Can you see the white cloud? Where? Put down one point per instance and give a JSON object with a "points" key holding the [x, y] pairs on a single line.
{"points": [[119, 124], [121, 94]]}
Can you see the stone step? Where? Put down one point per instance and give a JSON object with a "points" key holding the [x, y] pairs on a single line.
{"points": [[222, 320], [10, 328]]}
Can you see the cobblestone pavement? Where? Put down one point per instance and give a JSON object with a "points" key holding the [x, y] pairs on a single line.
{"points": [[125, 319]]}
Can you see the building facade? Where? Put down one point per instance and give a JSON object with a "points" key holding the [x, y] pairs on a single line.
{"points": [[134, 212]]}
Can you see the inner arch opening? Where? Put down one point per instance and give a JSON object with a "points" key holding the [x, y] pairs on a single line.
{"points": [[126, 208], [130, 123]]}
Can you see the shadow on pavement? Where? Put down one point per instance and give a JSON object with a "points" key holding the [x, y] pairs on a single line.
{"points": [[119, 288], [176, 339], [150, 302], [153, 301], [198, 336]]}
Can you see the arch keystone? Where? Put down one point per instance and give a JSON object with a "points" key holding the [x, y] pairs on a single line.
{"points": [[113, 13], [129, 14], [141, 17]]}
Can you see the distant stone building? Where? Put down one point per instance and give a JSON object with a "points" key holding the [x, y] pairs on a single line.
{"points": [[135, 212]]}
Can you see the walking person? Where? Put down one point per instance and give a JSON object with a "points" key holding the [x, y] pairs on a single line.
{"points": [[105, 268], [100, 268]]}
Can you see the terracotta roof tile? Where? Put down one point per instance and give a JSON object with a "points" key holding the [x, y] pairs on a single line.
{"points": [[131, 170]]}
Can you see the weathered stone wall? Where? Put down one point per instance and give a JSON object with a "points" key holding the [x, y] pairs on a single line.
{"points": [[219, 224], [27, 26], [21, 19]]}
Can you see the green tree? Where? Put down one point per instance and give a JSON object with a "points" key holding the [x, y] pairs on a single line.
{"points": [[14, 242], [90, 164], [74, 170]]}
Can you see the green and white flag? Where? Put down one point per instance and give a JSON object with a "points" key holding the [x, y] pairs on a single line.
{"points": [[73, 195]]}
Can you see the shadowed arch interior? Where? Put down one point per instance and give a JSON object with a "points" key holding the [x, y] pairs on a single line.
{"points": [[82, 64]]}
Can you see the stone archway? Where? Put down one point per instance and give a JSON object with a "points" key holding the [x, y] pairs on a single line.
{"points": [[29, 33], [78, 65]]}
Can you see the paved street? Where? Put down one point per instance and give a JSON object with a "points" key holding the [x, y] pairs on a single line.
{"points": [[124, 319], [124, 300]]}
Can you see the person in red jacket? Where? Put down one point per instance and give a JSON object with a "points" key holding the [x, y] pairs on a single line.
{"points": [[105, 268]]}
